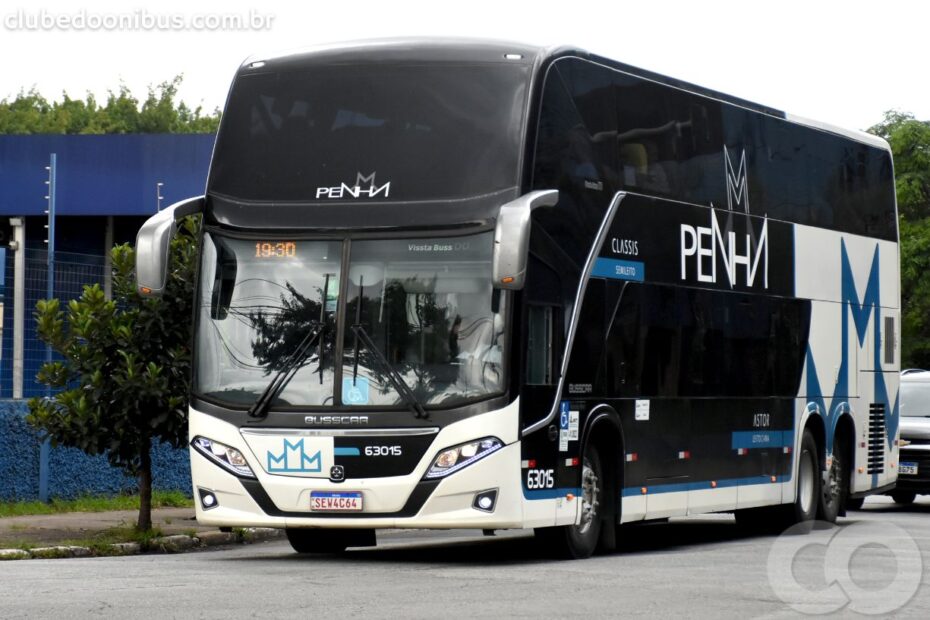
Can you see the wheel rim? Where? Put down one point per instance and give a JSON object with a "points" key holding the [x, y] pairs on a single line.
{"points": [[589, 494], [806, 482]]}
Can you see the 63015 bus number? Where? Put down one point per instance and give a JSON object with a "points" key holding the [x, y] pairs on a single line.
{"points": [[382, 451], [540, 478]]}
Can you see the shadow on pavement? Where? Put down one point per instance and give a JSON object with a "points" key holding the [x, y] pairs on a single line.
{"points": [[508, 549], [917, 508]]}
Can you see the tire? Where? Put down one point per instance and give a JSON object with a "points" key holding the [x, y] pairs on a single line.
{"points": [[328, 540], [904, 498], [835, 483], [809, 482], [854, 503], [576, 542]]}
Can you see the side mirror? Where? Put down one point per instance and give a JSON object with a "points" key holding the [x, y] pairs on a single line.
{"points": [[512, 238], [154, 241]]}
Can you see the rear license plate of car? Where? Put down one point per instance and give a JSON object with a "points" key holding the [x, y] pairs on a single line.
{"points": [[909, 469], [336, 501]]}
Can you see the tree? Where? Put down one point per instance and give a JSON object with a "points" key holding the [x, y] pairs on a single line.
{"points": [[915, 293], [31, 113], [124, 376], [910, 146]]}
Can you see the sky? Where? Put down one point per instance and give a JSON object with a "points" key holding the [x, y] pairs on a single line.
{"points": [[844, 63]]}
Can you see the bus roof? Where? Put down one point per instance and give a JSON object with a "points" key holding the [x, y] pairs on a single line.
{"points": [[401, 50], [435, 49]]}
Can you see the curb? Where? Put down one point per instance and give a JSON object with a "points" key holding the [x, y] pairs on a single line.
{"points": [[178, 543]]}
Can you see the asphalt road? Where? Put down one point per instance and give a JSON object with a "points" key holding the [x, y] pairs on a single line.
{"points": [[695, 567]]}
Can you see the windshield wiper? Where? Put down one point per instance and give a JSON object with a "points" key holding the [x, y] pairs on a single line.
{"points": [[395, 378], [288, 369]]}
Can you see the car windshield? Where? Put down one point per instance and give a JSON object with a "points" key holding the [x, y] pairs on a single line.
{"points": [[915, 398], [420, 311]]}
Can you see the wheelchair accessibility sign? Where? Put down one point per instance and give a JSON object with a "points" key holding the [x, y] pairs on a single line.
{"points": [[354, 391]]}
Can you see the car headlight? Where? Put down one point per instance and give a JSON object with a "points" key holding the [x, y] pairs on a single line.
{"points": [[223, 455], [457, 457]]}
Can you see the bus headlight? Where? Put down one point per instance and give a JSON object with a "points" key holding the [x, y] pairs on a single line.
{"points": [[226, 457], [457, 457]]}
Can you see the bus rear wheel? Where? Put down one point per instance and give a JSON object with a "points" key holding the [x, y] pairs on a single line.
{"points": [[809, 482], [833, 499], [579, 541], [328, 540], [903, 497]]}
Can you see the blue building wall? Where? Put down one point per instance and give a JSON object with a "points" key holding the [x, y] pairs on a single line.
{"points": [[71, 472], [102, 175]]}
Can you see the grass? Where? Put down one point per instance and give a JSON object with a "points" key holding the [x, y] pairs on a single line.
{"points": [[98, 543], [94, 503]]}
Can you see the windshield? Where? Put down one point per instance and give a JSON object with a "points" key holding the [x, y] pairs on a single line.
{"points": [[427, 306], [395, 132], [420, 311], [915, 398], [258, 300]]}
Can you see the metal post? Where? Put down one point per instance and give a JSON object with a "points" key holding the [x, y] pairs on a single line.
{"points": [[50, 240], [19, 301], [108, 259], [49, 294]]}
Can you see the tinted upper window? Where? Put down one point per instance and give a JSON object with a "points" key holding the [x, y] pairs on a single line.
{"points": [[602, 130], [432, 131]]}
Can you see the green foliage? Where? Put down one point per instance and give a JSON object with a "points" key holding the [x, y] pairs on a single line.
{"points": [[915, 293], [30, 113], [124, 378], [910, 146]]}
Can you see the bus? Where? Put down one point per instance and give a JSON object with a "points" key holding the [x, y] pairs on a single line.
{"points": [[468, 284]]}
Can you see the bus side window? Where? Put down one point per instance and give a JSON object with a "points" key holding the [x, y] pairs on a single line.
{"points": [[622, 370], [540, 358]]}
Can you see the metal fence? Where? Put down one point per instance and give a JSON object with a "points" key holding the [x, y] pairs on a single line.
{"points": [[72, 273]]}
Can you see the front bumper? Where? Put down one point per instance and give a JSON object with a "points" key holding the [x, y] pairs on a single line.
{"points": [[447, 505], [389, 502]]}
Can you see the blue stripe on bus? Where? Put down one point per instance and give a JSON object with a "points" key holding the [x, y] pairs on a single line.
{"points": [[762, 439], [619, 269], [549, 493], [704, 485], [346, 452]]}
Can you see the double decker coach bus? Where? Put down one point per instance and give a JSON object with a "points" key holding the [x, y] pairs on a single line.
{"points": [[481, 285]]}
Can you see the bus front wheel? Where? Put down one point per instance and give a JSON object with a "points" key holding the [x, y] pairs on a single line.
{"points": [[580, 540]]}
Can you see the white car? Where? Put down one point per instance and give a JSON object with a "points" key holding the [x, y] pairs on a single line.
{"points": [[914, 462]]}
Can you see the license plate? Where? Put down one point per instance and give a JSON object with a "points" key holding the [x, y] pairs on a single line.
{"points": [[335, 501], [907, 468]]}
